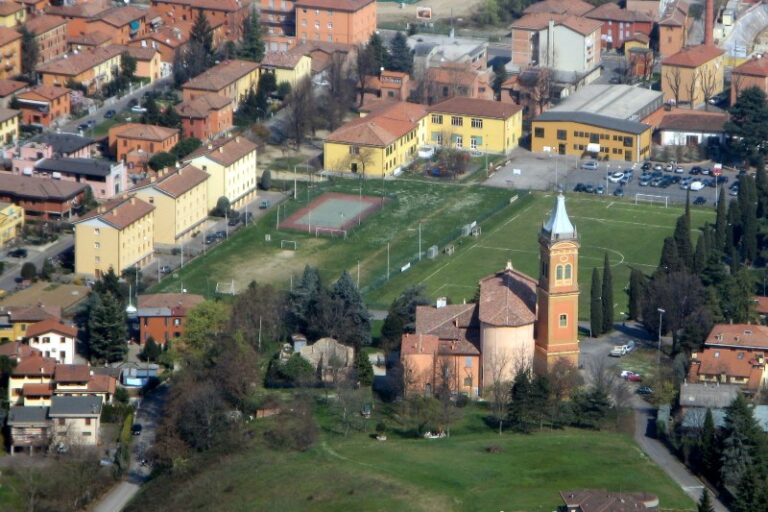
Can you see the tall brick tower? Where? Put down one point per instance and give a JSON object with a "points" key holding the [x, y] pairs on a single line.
{"points": [[558, 290]]}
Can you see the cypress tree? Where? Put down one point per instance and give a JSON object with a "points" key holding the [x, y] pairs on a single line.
{"points": [[107, 331], [682, 238], [607, 297], [401, 58], [596, 305], [636, 292], [721, 223], [670, 261], [30, 51], [700, 256], [705, 503], [709, 449], [747, 200], [252, 47], [733, 229], [354, 310], [761, 185], [201, 33], [379, 54]]}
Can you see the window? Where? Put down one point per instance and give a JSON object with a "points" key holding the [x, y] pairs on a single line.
{"points": [[437, 119], [98, 260], [457, 121], [467, 362], [354, 150], [317, 25], [474, 142], [97, 231], [46, 339], [559, 273], [459, 141], [467, 382], [563, 320], [562, 135], [568, 271], [177, 322], [330, 25], [61, 422], [627, 142], [477, 123], [87, 422], [538, 132], [304, 23]]}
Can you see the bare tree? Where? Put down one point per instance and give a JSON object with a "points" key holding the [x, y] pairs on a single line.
{"points": [[674, 81], [564, 378], [364, 61], [648, 63], [600, 375], [447, 393], [709, 84], [693, 88], [496, 366], [340, 95], [300, 111], [358, 159], [737, 84], [621, 395], [540, 91]]}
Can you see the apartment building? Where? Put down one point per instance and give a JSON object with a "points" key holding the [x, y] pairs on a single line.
{"points": [[11, 222], [335, 21], [163, 316], [231, 166], [205, 117], [620, 24], [693, 75], [230, 13], [93, 68], [50, 34], [277, 17], [106, 179], [231, 79], [751, 73], [10, 53], [44, 105], [42, 199], [290, 67], [145, 138], [12, 14], [122, 24]]}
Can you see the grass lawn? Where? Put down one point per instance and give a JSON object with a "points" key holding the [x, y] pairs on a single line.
{"points": [[631, 234], [10, 499], [455, 474]]}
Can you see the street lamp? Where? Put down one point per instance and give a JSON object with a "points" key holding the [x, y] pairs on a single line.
{"points": [[661, 318]]}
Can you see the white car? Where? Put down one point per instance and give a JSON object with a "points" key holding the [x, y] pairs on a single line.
{"points": [[695, 186], [679, 170], [616, 177], [589, 165], [138, 109]]}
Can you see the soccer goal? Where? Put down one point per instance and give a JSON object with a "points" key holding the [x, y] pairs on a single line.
{"points": [[650, 198], [226, 287], [332, 232], [290, 245]]}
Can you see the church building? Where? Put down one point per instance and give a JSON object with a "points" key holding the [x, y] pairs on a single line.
{"points": [[518, 322]]}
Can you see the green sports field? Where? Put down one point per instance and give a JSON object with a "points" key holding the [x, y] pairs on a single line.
{"points": [[631, 234]]}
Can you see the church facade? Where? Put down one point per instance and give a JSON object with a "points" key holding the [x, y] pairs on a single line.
{"points": [[518, 322]]}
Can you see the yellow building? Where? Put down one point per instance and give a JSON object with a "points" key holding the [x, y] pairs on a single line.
{"points": [[11, 222], [379, 144], [585, 134], [93, 68], [12, 14], [149, 61], [693, 75], [14, 320], [9, 126], [231, 167], [118, 234], [180, 198], [231, 79], [10, 53], [289, 66], [477, 125]]}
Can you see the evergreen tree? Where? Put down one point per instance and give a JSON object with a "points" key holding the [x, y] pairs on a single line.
{"points": [[152, 115], [28, 271], [378, 52], [252, 47], [180, 71], [267, 83], [741, 439], [607, 296], [47, 270], [747, 200], [596, 305], [705, 503], [737, 295], [266, 180], [710, 456], [733, 229], [682, 238], [363, 369], [251, 107], [128, 66], [355, 311], [590, 407], [761, 186], [500, 76], [636, 292], [151, 350], [302, 299], [751, 494], [107, 331], [670, 261], [401, 58], [30, 52], [521, 413], [701, 255], [201, 34], [721, 223], [749, 121]]}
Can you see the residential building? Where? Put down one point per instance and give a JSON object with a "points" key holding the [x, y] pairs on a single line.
{"points": [[517, 320], [590, 500], [231, 165], [146, 138], [751, 73], [230, 13], [88, 41], [44, 105], [636, 40], [50, 34], [61, 145], [329, 357], [231, 79], [573, 54], [117, 235], [702, 396], [431, 50], [324, 55], [684, 127], [122, 24], [162, 316], [180, 198], [42, 199], [604, 121], [167, 40], [9, 89], [76, 420], [478, 125], [16, 350], [53, 339], [206, 117], [673, 28], [93, 68], [35, 369], [78, 15], [12, 14], [389, 85], [693, 75], [9, 126], [14, 320], [106, 179], [531, 89], [290, 66], [80, 380], [620, 24], [335, 21], [11, 222], [149, 62], [33, 6], [29, 428], [455, 79], [10, 53], [744, 368], [378, 144], [571, 7], [277, 17]]}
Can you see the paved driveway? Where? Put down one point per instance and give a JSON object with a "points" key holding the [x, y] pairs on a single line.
{"points": [[34, 255]]}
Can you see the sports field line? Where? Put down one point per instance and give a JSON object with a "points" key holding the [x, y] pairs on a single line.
{"points": [[454, 285], [581, 256], [621, 222]]}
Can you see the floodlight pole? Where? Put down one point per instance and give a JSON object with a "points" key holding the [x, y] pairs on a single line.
{"points": [[661, 317], [387, 261], [295, 181], [358, 274], [419, 241]]}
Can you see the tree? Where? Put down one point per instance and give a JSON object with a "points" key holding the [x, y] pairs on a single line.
{"points": [[733, 230], [363, 369], [303, 299], [401, 58], [268, 83], [705, 503], [637, 282], [47, 271], [28, 271], [682, 237], [709, 449], [487, 14], [170, 119], [747, 199], [107, 330], [721, 222], [300, 111], [266, 180], [596, 305], [30, 52], [607, 296], [223, 207], [127, 67], [590, 407], [152, 114], [252, 46], [748, 126], [205, 324], [674, 80], [741, 439], [283, 89], [258, 315], [201, 34], [355, 311], [151, 350], [497, 368], [379, 55], [521, 412], [709, 83], [680, 294], [364, 63], [499, 76], [670, 259], [564, 379], [700, 255], [751, 494], [186, 146], [161, 160]]}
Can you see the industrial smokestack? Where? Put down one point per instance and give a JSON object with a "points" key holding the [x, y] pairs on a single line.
{"points": [[709, 23]]}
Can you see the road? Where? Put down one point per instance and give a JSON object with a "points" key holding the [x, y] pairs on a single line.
{"points": [[148, 415], [34, 255]]}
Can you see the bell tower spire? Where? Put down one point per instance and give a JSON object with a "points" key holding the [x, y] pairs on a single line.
{"points": [[558, 290]]}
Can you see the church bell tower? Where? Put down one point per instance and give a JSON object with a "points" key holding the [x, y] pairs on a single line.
{"points": [[557, 330]]}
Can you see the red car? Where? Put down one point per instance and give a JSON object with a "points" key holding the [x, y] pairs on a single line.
{"points": [[633, 377]]}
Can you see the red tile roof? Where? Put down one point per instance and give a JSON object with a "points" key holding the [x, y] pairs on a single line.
{"points": [[120, 212], [51, 325], [381, 127], [31, 314], [694, 121], [72, 373], [39, 189], [753, 67], [37, 389], [612, 12], [76, 63], [7, 35], [175, 182], [202, 106], [284, 60], [170, 300], [148, 132], [225, 151], [713, 363], [334, 5], [761, 305], [17, 350], [48, 92], [508, 299], [221, 76], [419, 344], [8, 87], [574, 7], [102, 384], [693, 57], [540, 20], [93, 38], [41, 24], [9, 7], [474, 107], [738, 336], [80, 10], [35, 366], [121, 16], [215, 5]]}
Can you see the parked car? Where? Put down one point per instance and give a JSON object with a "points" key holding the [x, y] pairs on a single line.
{"points": [[645, 181], [619, 192], [695, 170], [210, 239], [696, 185], [644, 390], [221, 235], [699, 201], [589, 165], [19, 252], [647, 166], [630, 346], [138, 109], [600, 190], [634, 378], [679, 170], [658, 167], [234, 220], [625, 373], [579, 187], [589, 189], [618, 351], [83, 127], [165, 269], [264, 204], [109, 114], [136, 429], [615, 177]]}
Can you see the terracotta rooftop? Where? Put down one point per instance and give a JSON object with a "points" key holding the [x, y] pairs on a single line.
{"points": [[694, 121], [42, 24], [31, 314], [540, 21], [7, 35], [175, 182], [201, 106], [753, 67], [81, 10], [48, 92], [573, 7], [761, 305], [461, 73], [140, 53], [413, 344], [120, 16], [738, 336], [33, 389], [35, 365], [322, 53], [590, 500], [75, 63], [508, 299], [8, 87], [144, 132], [612, 12], [456, 322], [639, 37], [225, 152], [381, 127], [98, 383], [474, 107], [693, 57], [174, 35], [69, 373], [284, 60], [647, 7], [334, 5], [222, 75], [215, 5], [169, 300], [39, 189], [120, 212], [17, 350], [92, 38], [9, 7], [51, 325], [730, 362]]}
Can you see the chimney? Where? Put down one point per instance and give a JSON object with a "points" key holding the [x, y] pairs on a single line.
{"points": [[221, 149], [237, 140], [709, 23], [133, 200], [441, 302]]}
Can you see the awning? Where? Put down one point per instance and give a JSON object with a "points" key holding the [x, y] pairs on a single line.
{"points": [[593, 148]]}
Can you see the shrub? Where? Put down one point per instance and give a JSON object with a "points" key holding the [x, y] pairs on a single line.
{"points": [[266, 180], [28, 271]]}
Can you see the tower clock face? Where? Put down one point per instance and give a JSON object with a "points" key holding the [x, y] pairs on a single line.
{"points": [[563, 259]]}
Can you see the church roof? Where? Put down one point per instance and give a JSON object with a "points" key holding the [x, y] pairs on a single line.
{"points": [[559, 226], [508, 299]]}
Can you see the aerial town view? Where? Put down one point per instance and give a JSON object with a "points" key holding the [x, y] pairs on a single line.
{"points": [[375, 255]]}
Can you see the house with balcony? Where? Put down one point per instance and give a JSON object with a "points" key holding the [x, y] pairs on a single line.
{"points": [[30, 429], [12, 14], [50, 35], [93, 68], [30, 373], [42, 199], [53, 338], [10, 53], [122, 24], [9, 89], [129, 139], [44, 105], [206, 117]]}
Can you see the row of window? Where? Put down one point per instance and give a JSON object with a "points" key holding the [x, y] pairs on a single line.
{"points": [[475, 122], [317, 24]]}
